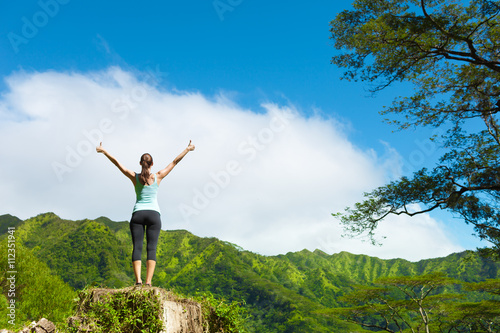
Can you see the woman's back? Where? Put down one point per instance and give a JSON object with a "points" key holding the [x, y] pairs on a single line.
{"points": [[146, 195]]}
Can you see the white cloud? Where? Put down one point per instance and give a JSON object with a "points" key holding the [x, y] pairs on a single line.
{"points": [[267, 181], [411, 238]]}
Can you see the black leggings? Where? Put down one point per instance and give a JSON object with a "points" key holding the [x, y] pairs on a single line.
{"points": [[149, 220]]}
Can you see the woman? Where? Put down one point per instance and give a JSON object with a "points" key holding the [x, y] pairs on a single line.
{"points": [[146, 212]]}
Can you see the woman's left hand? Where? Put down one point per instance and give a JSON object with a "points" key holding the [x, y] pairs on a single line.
{"points": [[100, 149]]}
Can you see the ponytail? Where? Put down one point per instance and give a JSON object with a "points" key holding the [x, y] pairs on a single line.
{"points": [[146, 163]]}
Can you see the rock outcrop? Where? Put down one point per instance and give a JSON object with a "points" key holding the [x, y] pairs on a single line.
{"points": [[43, 326], [178, 315]]}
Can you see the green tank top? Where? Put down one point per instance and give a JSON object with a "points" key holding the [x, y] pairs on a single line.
{"points": [[146, 196]]}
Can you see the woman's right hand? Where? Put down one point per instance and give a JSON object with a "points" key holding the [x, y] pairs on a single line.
{"points": [[190, 146]]}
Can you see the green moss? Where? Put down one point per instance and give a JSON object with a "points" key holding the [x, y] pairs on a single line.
{"points": [[130, 310]]}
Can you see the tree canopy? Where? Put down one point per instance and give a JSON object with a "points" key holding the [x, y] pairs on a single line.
{"points": [[449, 52], [425, 303]]}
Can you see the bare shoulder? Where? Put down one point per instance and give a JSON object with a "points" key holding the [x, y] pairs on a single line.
{"points": [[159, 177], [134, 178]]}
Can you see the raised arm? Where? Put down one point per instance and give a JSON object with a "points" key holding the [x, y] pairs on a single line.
{"points": [[163, 173], [128, 173]]}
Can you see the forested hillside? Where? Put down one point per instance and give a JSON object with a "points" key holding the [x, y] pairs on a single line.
{"points": [[283, 293]]}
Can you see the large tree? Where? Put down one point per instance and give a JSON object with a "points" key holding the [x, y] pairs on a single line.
{"points": [[425, 303], [449, 52]]}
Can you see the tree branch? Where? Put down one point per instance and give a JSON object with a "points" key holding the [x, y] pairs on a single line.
{"points": [[461, 56]]}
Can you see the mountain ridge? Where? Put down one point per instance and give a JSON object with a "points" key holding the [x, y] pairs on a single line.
{"points": [[277, 290], [115, 225]]}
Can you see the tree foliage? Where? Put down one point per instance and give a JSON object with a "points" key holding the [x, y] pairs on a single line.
{"points": [[424, 303], [31, 288], [449, 52]]}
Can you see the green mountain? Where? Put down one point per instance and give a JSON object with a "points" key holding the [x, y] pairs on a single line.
{"points": [[7, 221], [29, 290], [282, 293]]}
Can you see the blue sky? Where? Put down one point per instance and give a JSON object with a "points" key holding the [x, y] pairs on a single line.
{"points": [[227, 54], [259, 50]]}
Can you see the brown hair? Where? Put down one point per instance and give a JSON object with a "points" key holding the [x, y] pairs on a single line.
{"points": [[146, 163]]}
